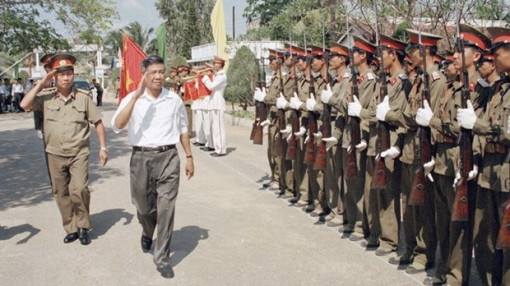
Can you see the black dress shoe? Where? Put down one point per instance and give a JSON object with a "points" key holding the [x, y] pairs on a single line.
{"points": [[293, 200], [166, 271], [84, 236], [309, 209], [71, 237], [146, 243], [207, 149], [198, 144]]}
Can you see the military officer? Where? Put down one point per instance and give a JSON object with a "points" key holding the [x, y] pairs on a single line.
{"points": [[491, 148], [184, 72], [67, 114]]}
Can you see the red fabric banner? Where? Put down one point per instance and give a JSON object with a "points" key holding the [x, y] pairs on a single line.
{"points": [[131, 73]]}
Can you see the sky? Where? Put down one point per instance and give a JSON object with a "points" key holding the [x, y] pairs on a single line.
{"points": [[144, 11]]}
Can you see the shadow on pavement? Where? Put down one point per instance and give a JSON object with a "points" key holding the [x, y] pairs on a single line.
{"points": [[24, 175], [10, 232], [185, 240], [103, 221]]}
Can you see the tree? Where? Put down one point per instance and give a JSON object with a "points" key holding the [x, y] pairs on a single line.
{"points": [[22, 29], [241, 75], [187, 24]]}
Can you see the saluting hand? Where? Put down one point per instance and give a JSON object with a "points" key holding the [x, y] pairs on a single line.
{"points": [[141, 87], [48, 78]]}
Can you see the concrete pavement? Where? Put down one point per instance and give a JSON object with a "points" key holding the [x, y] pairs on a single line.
{"points": [[228, 230]]}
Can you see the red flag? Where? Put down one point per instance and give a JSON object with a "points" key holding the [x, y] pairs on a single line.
{"points": [[131, 73]]}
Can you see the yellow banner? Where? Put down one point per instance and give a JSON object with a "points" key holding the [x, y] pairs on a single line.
{"points": [[219, 31]]}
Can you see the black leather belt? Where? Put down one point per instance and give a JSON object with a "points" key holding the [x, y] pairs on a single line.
{"points": [[158, 149]]}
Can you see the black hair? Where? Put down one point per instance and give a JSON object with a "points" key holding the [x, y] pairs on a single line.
{"points": [[151, 60]]}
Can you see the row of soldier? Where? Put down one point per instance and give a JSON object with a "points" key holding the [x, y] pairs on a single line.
{"points": [[202, 89], [410, 149]]}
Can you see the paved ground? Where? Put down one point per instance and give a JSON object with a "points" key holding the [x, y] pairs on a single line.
{"points": [[229, 231]]}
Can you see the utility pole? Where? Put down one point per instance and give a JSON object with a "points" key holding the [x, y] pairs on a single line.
{"points": [[234, 22]]}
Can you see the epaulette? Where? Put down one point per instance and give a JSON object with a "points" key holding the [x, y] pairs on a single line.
{"points": [[82, 91], [403, 76], [370, 76], [436, 75], [48, 90], [483, 83]]}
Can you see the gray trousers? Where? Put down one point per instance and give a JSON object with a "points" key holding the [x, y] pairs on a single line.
{"points": [[154, 187]]}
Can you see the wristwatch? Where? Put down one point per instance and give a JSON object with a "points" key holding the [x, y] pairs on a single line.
{"points": [[104, 148]]}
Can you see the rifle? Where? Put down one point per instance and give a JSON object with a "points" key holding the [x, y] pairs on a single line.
{"points": [[503, 241], [291, 148], [379, 180], [260, 110], [312, 122], [417, 195], [254, 126], [278, 145], [460, 210], [320, 158], [354, 122]]}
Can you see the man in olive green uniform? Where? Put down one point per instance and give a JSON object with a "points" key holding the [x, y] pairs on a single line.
{"points": [[297, 102], [385, 230], [491, 148], [67, 113], [454, 237], [320, 208], [272, 94], [334, 183], [362, 106], [418, 220]]}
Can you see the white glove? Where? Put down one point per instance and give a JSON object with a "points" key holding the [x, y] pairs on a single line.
{"points": [[318, 137], [424, 115], [428, 167], [39, 134], [471, 175], [258, 95], [466, 116], [330, 142], [295, 102], [310, 103], [300, 133], [391, 153], [382, 109], [307, 138], [354, 108], [326, 94], [286, 132], [281, 102], [265, 122], [361, 146]]}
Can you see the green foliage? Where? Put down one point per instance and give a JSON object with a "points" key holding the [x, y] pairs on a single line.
{"points": [[264, 10], [187, 24], [248, 114], [178, 61], [241, 75], [22, 29]]}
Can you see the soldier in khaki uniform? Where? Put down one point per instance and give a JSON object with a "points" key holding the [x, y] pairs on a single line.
{"points": [[491, 148], [418, 220], [454, 237], [385, 230], [67, 114], [362, 106], [334, 183], [298, 103]]}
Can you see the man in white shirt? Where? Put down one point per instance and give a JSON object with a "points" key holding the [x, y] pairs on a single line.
{"points": [[17, 94], [156, 121], [217, 107]]}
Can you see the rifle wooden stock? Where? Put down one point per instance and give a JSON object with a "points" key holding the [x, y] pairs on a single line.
{"points": [[460, 210], [291, 147], [320, 157], [503, 241], [379, 181], [310, 144], [418, 193], [258, 130], [278, 145]]}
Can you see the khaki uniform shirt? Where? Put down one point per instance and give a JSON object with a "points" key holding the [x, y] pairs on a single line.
{"points": [[445, 126], [66, 120], [494, 127], [340, 90], [407, 117]]}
